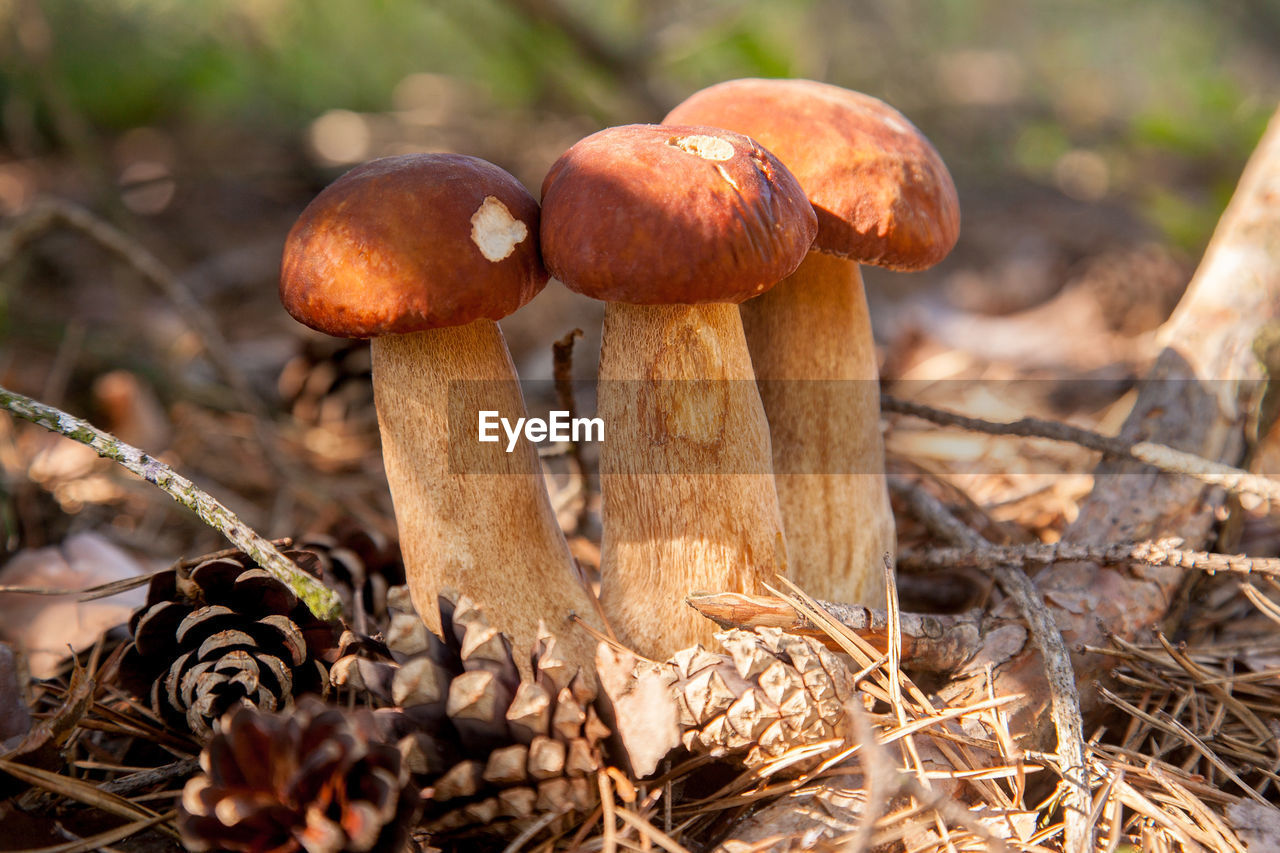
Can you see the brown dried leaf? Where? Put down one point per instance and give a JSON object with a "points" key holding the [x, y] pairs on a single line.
{"points": [[46, 625], [54, 730]]}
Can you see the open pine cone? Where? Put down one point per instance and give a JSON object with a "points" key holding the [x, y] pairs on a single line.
{"points": [[362, 567], [316, 780], [771, 692], [489, 748], [223, 634]]}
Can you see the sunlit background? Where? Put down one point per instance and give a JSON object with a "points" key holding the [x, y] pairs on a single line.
{"points": [[1144, 105]]}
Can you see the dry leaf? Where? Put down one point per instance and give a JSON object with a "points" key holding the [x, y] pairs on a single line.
{"points": [[44, 626], [53, 730]]}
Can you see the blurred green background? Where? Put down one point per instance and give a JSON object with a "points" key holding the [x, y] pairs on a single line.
{"points": [[1152, 105]]}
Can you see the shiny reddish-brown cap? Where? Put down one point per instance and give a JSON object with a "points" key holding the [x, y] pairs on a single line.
{"points": [[409, 243], [882, 193], [653, 215]]}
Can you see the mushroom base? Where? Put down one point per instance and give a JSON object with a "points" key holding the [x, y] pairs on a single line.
{"points": [[471, 516], [814, 325], [670, 528]]}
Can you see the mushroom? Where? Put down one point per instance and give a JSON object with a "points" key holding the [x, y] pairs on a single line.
{"points": [[422, 253], [884, 197], [671, 227]]}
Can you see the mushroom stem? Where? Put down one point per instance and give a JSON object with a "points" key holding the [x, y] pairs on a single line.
{"points": [[813, 354], [473, 517], [689, 500]]}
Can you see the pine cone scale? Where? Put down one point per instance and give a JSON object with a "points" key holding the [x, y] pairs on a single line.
{"points": [[770, 692], [486, 746], [507, 766]]}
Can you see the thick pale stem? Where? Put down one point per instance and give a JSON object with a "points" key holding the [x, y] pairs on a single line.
{"points": [[473, 517], [813, 354], [689, 501]]}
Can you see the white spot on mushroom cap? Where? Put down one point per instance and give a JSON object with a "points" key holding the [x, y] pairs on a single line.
{"points": [[706, 147], [495, 231]]}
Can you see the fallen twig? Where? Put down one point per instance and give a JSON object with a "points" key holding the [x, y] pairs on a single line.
{"points": [[1156, 455], [144, 779], [1201, 395], [933, 642], [1065, 698], [323, 602], [1161, 552], [81, 791]]}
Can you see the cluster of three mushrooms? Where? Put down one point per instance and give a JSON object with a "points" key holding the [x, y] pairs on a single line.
{"points": [[672, 226]]}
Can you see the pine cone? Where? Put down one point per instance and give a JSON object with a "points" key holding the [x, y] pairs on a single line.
{"points": [[489, 748], [362, 568], [222, 634], [329, 382], [771, 692], [316, 780]]}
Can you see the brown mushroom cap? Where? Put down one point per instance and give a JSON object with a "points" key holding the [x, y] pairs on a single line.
{"points": [[882, 193], [656, 215], [409, 243]]}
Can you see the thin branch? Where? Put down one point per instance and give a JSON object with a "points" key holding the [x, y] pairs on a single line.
{"points": [[323, 602], [1159, 456], [149, 778], [1065, 708], [933, 642], [1161, 552]]}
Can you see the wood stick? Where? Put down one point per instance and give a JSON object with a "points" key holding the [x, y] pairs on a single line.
{"points": [[1063, 696], [1198, 397], [1152, 453], [933, 642], [323, 602], [1163, 552]]}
